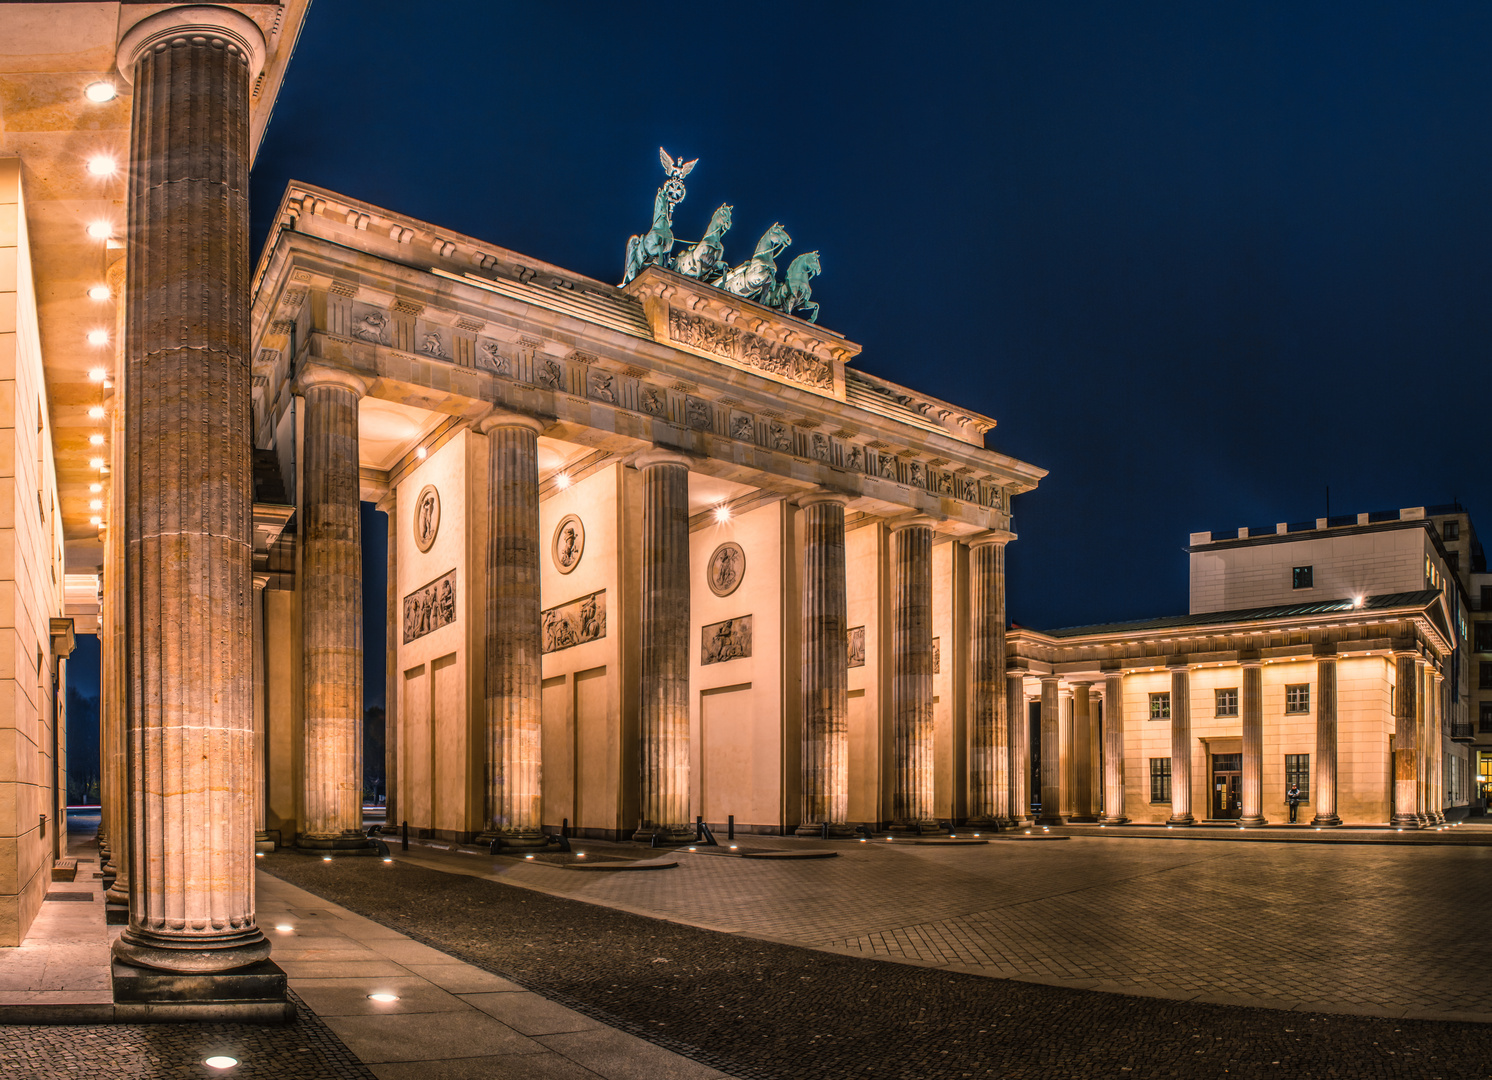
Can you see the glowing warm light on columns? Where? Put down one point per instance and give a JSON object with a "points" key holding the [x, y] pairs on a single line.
{"points": [[100, 92], [421, 453], [722, 514], [102, 165], [100, 230], [98, 337], [562, 481], [97, 374], [96, 412], [99, 292]]}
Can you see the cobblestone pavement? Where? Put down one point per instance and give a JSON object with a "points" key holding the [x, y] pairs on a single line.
{"points": [[1368, 929], [303, 1050], [760, 1008]]}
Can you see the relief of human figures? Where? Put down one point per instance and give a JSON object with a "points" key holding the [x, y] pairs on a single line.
{"points": [[728, 640], [575, 623], [429, 608]]}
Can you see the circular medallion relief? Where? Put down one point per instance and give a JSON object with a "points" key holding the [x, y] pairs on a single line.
{"points": [[426, 517], [727, 568], [568, 543]]}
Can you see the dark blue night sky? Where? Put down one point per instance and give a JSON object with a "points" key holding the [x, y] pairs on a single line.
{"points": [[1200, 261]]}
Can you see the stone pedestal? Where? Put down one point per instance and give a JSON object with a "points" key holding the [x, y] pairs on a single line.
{"points": [[912, 677], [1406, 743], [826, 781], [1051, 753], [254, 994], [188, 510], [1324, 790], [1113, 750], [513, 657], [1019, 727], [989, 731], [1181, 748], [1251, 709], [332, 612], [664, 792], [389, 504]]}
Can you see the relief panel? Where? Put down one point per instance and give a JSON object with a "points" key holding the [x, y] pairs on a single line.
{"points": [[582, 619]]}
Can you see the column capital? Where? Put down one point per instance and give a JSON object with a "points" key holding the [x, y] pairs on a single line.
{"points": [[502, 418], [660, 455], [822, 495], [323, 375], [993, 536], [913, 521], [260, 581], [1050, 679], [214, 24], [389, 502]]}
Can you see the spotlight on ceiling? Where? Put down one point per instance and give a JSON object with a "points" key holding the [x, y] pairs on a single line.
{"points": [[96, 412], [562, 481], [99, 292], [95, 439], [98, 337], [97, 374], [100, 91], [100, 230], [102, 165], [421, 453], [722, 514], [95, 463]]}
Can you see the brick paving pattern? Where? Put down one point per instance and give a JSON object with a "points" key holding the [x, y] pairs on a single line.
{"points": [[763, 1008]]}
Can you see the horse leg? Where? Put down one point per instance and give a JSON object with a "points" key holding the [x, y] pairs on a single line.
{"points": [[810, 304]]}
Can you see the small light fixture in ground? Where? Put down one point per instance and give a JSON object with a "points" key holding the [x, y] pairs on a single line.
{"points": [[98, 337], [284, 927], [258, 854], [862, 839], [722, 514], [102, 165], [526, 856], [99, 292], [97, 374], [100, 91], [220, 1061], [100, 230], [733, 847], [326, 858], [562, 481], [421, 453], [1357, 601], [383, 997], [691, 849]]}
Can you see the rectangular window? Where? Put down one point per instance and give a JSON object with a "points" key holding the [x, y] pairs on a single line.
{"points": [[1482, 631], [1303, 577], [1484, 676], [1484, 721], [1160, 705], [1160, 780], [1298, 772], [1453, 560], [1298, 698], [1227, 702], [1451, 530]]}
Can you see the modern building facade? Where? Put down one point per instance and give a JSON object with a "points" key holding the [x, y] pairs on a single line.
{"points": [[1331, 655]]}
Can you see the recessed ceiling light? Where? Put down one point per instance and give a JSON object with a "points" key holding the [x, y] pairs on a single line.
{"points": [[96, 439], [95, 488], [99, 292], [98, 337], [420, 452], [100, 230], [95, 463], [97, 374], [96, 412], [102, 165], [722, 513], [96, 504], [100, 91], [562, 481], [95, 520]]}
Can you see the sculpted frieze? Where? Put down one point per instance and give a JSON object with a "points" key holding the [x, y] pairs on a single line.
{"points": [[549, 373], [857, 646], [600, 383], [653, 402], [750, 350], [490, 356], [728, 640], [370, 325], [430, 607], [581, 620], [698, 414]]}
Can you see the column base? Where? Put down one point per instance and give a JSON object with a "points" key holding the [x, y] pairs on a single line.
{"points": [[1404, 821], [341, 844], [190, 956], [526, 839], [1051, 819], [254, 994], [1181, 819], [115, 894], [669, 835], [1106, 819], [1253, 822], [263, 842], [1326, 821], [116, 914], [914, 827], [838, 830]]}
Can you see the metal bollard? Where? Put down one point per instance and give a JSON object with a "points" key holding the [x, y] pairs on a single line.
{"points": [[699, 827], [564, 828], [404, 837], [730, 827]]}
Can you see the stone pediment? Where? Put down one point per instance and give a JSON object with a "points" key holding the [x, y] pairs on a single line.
{"points": [[717, 325]]}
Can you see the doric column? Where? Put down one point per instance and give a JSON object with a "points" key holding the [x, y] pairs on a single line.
{"points": [[912, 675], [389, 504], [1113, 749], [332, 611], [262, 842], [1251, 708], [1019, 725], [513, 657], [1437, 730], [664, 794], [1082, 752], [1324, 783], [188, 517], [826, 682], [1181, 748], [1065, 753], [1406, 741], [989, 734], [1422, 729], [1051, 751]]}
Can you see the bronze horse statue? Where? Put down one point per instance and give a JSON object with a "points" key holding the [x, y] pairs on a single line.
{"points": [[655, 245], [706, 259], [758, 275], [790, 295]]}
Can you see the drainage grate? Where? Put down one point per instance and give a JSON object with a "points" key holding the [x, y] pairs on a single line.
{"points": [[69, 896]]}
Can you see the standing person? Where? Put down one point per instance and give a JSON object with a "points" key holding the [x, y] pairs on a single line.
{"points": [[1292, 796]]}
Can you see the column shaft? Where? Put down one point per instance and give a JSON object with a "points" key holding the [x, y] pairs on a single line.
{"points": [[391, 681], [1437, 732], [1251, 707], [1113, 750], [1051, 752], [513, 656], [332, 614], [1082, 752], [1406, 756], [262, 841], [1181, 748], [1019, 724], [989, 735], [188, 517], [1421, 726], [1324, 789], [826, 737], [664, 794], [912, 678]]}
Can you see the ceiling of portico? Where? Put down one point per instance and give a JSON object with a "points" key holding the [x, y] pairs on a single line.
{"points": [[387, 430], [707, 492]]}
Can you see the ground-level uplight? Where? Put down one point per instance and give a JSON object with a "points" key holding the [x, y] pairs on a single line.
{"points": [[383, 997], [388, 860], [284, 927], [220, 1061], [326, 858]]}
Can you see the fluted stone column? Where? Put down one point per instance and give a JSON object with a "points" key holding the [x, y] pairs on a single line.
{"points": [[1251, 709], [989, 733], [912, 676], [332, 612], [1422, 728], [514, 658], [1065, 755], [1082, 753], [1437, 731], [188, 512], [826, 739], [1181, 748], [1324, 789], [1051, 752], [389, 504], [1113, 749], [1019, 725], [262, 841], [664, 794], [1406, 742]]}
